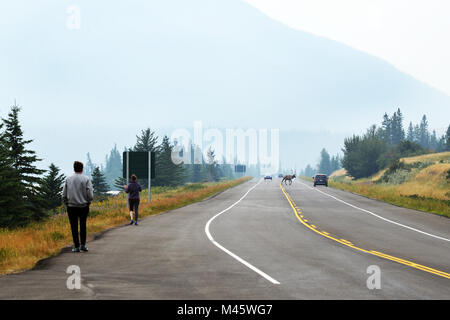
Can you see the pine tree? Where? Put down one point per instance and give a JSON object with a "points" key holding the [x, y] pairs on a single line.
{"points": [[424, 135], [386, 129], [434, 143], [417, 134], [23, 162], [211, 166], [309, 171], [146, 141], [324, 164], [52, 186], [335, 163], [113, 167], [13, 211], [447, 139], [410, 134], [397, 132], [89, 167], [119, 182], [99, 182], [167, 173]]}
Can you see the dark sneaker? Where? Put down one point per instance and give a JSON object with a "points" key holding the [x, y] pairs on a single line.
{"points": [[84, 248], [131, 222], [136, 223], [76, 249]]}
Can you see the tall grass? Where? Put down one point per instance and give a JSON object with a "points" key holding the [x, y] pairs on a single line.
{"points": [[22, 248], [397, 195], [425, 189]]}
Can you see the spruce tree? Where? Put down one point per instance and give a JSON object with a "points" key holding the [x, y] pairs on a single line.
{"points": [[424, 135], [113, 167], [119, 182], [386, 129], [197, 164], [447, 139], [23, 162], [13, 211], [99, 182], [211, 166], [397, 132], [89, 167], [325, 163], [309, 171], [52, 186], [167, 173], [434, 143], [410, 134], [146, 141], [417, 134]]}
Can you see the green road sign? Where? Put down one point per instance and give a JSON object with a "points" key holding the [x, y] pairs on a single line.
{"points": [[138, 164]]}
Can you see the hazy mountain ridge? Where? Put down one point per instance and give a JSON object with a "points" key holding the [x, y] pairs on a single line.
{"points": [[167, 63]]}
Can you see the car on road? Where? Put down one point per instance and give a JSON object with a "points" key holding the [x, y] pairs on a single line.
{"points": [[280, 175], [267, 177], [320, 179]]}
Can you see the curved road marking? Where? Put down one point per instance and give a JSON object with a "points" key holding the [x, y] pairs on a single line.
{"points": [[380, 217], [372, 252], [218, 245]]}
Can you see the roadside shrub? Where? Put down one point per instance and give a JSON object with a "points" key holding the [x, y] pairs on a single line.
{"points": [[363, 155], [400, 172], [399, 177]]}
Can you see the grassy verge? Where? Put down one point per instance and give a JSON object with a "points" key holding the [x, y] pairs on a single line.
{"points": [[22, 248], [419, 182], [396, 195]]}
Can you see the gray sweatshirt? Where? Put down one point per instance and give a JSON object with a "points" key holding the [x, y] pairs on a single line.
{"points": [[78, 191]]}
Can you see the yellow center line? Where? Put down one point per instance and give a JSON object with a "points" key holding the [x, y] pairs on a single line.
{"points": [[372, 252]]}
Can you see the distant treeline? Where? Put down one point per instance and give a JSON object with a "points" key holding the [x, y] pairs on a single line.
{"points": [[167, 173], [326, 165], [382, 145]]}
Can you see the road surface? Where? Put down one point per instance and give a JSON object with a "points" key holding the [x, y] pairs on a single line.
{"points": [[257, 241]]}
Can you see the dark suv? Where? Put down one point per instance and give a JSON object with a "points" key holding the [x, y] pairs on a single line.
{"points": [[320, 179]]}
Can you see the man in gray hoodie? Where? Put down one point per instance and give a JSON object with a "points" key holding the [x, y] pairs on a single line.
{"points": [[77, 196]]}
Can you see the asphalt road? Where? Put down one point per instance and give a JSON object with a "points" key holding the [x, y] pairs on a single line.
{"points": [[249, 243]]}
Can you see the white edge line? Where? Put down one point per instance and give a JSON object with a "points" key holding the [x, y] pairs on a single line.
{"points": [[218, 245], [380, 217]]}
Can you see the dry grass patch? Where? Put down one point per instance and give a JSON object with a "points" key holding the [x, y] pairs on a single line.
{"points": [[22, 248], [423, 187]]}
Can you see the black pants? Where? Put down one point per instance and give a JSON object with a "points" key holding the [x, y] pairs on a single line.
{"points": [[134, 206], [75, 214]]}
